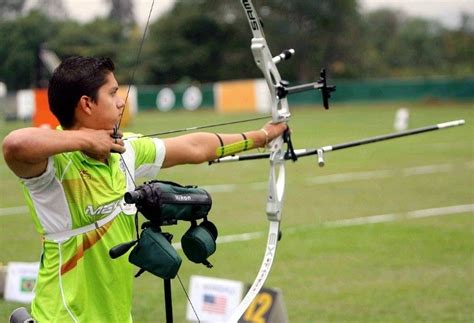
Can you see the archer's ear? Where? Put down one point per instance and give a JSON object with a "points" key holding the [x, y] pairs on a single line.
{"points": [[85, 105]]}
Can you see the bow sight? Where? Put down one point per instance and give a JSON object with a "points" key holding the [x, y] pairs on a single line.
{"points": [[282, 89]]}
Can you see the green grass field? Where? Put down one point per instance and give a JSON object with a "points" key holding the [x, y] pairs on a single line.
{"points": [[409, 269]]}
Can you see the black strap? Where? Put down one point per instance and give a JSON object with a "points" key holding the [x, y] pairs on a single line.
{"points": [[245, 140], [222, 145]]}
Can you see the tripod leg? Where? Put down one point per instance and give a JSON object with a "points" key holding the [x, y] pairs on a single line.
{"points": [[168, 301]]}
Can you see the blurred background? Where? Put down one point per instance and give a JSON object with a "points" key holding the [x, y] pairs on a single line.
{"points": [[203, 41], [397, 65], [377, 50]]}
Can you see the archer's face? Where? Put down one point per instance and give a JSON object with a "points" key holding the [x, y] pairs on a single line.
{"points": [[109, 105]]}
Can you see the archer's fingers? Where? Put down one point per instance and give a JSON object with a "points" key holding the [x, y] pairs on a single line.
{"points": [[118, 145], [117, 148]]}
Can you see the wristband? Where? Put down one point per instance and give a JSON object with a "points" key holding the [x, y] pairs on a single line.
{"points": [[266, 136]]}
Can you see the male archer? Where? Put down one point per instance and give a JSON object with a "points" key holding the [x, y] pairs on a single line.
{"points": [[74, 185]]}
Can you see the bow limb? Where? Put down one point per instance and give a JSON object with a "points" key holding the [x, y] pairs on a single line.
{"points": [[272, 240]]}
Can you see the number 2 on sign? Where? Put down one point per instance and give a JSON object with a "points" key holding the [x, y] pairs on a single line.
{"points": [[258, 309]]}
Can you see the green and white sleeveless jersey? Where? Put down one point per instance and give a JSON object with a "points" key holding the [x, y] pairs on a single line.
{"points": [[78, 281]]}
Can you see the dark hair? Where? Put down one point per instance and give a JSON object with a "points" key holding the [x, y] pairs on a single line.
{"points": [[76, 76]]}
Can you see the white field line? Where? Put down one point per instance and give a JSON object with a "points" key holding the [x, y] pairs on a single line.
{"points": [[382, 218], [325, 179], [231, 238], [362, 220], [348, 177], [221, 188], [428, 169], [440, 211], [358, 176], [13, 210], [470, 164], [455, 209]]}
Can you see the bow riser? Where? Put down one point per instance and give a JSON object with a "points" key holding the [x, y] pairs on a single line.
{"points": [[264, 61]]}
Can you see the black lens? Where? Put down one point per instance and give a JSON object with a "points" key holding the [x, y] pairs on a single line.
{"points": [[132, 197]]}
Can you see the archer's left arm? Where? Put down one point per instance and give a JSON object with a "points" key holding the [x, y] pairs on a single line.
{"points": [[201, 147]]}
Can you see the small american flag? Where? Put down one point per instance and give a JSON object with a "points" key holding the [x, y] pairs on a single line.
{"points": [[214, 304]]}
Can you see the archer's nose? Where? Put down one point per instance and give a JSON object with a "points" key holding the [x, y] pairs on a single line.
{"points": [[121, 104]]}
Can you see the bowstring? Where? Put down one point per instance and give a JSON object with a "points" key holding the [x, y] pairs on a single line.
{"points": [[137, 60], [117, 125], [212, 125]]}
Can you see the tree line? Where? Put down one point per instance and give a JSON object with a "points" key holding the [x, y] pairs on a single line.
{"points": [[207, 41]]}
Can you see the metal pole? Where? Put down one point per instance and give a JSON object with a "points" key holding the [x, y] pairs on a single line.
{"points": [[168, 301]]}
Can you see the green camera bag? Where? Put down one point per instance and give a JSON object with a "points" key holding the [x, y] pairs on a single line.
{"points": [[155, 254]]}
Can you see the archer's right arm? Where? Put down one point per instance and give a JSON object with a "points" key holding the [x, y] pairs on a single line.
{"points": [[26, 151]]}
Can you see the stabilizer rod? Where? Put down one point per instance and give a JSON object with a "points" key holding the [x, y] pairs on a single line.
{"points": [[319, 151]]}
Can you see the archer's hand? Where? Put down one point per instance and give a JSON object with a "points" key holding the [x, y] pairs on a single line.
{"points": [[274, 129], [100, 143]]}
